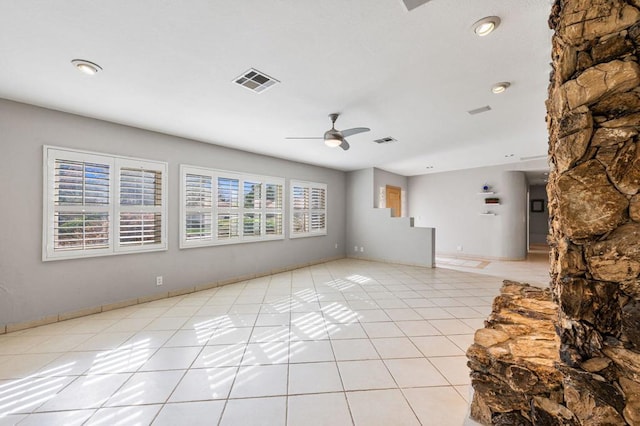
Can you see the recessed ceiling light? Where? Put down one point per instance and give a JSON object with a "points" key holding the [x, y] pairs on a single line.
{"points": [[485, 26], [86, 67], [500, 87]]}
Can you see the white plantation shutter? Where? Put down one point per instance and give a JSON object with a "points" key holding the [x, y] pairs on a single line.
{"points": [[274, 202], [140, 220], [300, 199], [318, 210], [90, 197], [221, 207], [274, 196], [308, 209], [198, 202], [228, 200], [252, 216], [273, 224], [81, 196]]}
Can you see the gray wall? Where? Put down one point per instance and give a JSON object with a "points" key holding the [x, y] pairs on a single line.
{"points": [[452, 203], [379, 235], [538, 222], [32, 289], [382, 178]]}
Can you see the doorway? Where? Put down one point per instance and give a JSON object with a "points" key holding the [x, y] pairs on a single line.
{"points": [[393, 195]]}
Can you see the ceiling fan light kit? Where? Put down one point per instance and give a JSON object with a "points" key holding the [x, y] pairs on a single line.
{"points": [[332, 141], [333, 137]]}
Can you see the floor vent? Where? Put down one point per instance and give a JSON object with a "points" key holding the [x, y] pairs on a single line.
{"points": [[388, 139], [255, 80], [479, 110]]}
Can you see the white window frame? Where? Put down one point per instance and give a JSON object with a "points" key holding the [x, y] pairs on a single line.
{"points": [[113, 208], [310, 186], [214, 210]]}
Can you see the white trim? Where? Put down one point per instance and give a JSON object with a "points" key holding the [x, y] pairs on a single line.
{"points": [[112, 208], [240, 210], [310, 186]]}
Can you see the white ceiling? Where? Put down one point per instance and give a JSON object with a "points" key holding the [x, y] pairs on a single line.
{"points": [[169, 65]]}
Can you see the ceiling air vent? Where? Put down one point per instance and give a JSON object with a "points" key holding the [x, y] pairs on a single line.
{"points": [[533, 157], [255, 80], [388, 139], [412, 4], [479, 110]]}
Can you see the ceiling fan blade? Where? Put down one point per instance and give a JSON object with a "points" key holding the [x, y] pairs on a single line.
{"points": [[344, 145], [354, 131], [305, 137]]}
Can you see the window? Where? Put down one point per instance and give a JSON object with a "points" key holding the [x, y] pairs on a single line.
{"points": [[99, 204], [308, 209], [220, 207]]}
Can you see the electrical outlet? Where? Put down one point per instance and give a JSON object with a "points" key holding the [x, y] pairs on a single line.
{"points": [[361, 249], [355, 248], [459, 248], [159, 280]]}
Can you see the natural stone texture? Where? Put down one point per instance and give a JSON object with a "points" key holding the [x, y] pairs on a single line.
{"points": [[510, 419], [606, 155], [569, 58], [634, 30], [583, 61], [626, 360], [498, 397], [625, 121], [634, 208], [592, 301], [617, 105], [588, 204], [574, 134], [547, 412], [611, 48], [610, 137], [513, 358], [588, 20], [624, 172], [569, 258], [631, 324], [601, 80], [595, 365], [579, 341], [480, 411], [631, 391], [592, 399], [488, 337], [616, 258]]}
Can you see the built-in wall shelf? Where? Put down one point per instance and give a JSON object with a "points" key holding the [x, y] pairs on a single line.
{"points": [[490, 199]]}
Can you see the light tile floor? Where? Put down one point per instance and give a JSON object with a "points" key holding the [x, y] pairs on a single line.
{"points": [[345, 342]]}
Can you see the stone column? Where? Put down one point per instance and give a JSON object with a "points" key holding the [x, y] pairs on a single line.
{"points": [[594, 205]]}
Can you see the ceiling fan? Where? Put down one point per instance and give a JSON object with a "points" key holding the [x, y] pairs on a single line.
{"points": [[333, 137]]}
